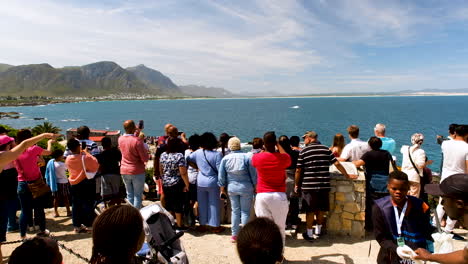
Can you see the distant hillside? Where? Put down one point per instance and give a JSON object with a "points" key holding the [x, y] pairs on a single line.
{"points": [[4, 67], [96, 79], [155, 80], [202, 91]]}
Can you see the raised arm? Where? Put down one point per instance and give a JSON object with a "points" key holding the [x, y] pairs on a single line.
{"points": [[456, 257], [9, 156]]}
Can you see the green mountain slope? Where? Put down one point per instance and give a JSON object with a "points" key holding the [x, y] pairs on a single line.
{"points": [[155, 80], [96, 79]]}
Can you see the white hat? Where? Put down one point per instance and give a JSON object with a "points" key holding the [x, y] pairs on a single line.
{"points": [[234, 143]]}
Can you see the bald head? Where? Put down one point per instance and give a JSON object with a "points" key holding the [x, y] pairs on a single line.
{"points": [[129, 126]]}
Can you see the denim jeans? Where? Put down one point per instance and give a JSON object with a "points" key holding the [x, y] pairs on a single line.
{"points": [[12, 208], [83, 195], [134, 184], [241, 204], [209, 206], [28, 204]]}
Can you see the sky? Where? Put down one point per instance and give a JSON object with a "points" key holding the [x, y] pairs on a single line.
{"points": [[256, 46]]}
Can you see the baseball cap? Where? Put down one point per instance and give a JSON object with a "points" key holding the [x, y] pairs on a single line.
{"points": [[453, 186], [5, 139], [311, 134]]}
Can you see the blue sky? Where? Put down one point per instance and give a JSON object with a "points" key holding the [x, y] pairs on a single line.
{"points": [[258, 46]]}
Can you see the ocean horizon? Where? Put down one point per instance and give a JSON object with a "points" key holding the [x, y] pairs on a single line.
{"points": [[252, 117]]}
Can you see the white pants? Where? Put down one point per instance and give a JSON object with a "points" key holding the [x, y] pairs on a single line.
{"points": [[273, 205], [449, 224]]}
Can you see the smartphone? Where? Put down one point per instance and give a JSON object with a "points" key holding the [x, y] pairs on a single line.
{"points": [[141, 124], [223, 196], [180, 133], [83, 145]]}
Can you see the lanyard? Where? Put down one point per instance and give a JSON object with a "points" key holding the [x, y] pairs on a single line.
{"points": [[399, 219]]}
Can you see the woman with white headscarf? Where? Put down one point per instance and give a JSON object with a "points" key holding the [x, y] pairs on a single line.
{"points": [[414, 161]]}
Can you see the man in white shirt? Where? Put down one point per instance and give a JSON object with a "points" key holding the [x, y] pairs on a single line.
{"points": [[354, 149], [455, 154]]}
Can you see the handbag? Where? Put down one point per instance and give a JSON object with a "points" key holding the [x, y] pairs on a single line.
{"points": [[89, 175], [38, 188], [392, 165], [213, 168]]}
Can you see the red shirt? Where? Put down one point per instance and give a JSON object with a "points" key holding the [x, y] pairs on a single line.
{"points": [[271, 171]]}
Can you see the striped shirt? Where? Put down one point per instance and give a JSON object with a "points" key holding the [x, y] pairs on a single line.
{"points": [[315, 161]]}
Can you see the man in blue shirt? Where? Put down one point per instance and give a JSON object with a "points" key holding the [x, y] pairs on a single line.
{"points": [[388, 144]]}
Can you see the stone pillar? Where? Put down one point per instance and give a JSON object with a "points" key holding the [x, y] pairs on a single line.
{"points": [[347, 205]]}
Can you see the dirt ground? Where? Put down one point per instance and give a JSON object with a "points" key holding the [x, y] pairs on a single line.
{"points": [[217, 248]]}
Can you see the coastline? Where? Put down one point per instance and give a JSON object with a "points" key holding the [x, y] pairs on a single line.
{"points": [[15, 103]]}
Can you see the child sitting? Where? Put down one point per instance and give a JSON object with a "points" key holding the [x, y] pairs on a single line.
{"points": [[400, 220], [56, 178]]}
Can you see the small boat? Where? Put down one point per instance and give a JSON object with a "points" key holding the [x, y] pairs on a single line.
{"points": [[294, 107], [39, 118]]}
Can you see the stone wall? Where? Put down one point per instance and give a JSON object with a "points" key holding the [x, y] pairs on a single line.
{"points": [[347, 205]]}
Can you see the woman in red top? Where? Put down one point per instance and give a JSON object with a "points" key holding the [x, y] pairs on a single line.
{"points": [[28, 172]]}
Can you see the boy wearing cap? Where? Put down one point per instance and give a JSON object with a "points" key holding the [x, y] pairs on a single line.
{"points": [[400, 221], [454, 194]]}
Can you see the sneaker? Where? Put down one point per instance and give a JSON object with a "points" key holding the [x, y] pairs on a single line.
{"points": [[233, 239], [31, 228], [315, 236], [43, 233], [37, 228], [307, 237]]}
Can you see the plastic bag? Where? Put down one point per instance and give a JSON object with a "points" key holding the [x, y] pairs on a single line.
{"points": [[443, 243]]}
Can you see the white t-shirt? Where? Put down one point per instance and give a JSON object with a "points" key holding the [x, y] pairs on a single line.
{"points": [[354, 150], [191, 171], [61, 172], [419, 159], [455, 157]]}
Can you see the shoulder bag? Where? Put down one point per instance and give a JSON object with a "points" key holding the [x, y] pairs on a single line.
{"points": [[89, 175], [215, 170], [412, 162], [38, 188]]}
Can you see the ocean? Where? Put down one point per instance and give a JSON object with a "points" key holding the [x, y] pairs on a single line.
{"points": [[249, 118]]}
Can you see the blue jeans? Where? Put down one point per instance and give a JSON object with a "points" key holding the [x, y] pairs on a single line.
{"points": [[83, 195], [240, 204], [209, 206], [134, 184], [28, 204], [12, 208]]}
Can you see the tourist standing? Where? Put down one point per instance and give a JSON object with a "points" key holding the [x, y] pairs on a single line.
{"points": [[132, 167], [173, 168], [271, 200], [207, 160], [191, 206], [293, 220], [28, 172], [56, 178], [237, 177], [413, 163], [455, 153], [79, 162], [377, 164], [337, 145], [109, 168], [313, 180], [388, 144], [257, 146], [354, 149]]}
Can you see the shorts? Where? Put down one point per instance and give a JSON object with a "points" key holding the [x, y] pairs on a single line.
{"points": [[63, 192], [174, 197], [110, 185], [313, 201]]}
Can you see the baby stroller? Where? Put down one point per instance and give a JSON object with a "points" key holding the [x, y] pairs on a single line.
{"points": [[163, 243]]}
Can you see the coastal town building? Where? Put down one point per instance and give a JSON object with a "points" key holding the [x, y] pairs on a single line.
{"points": [[97, 135]]}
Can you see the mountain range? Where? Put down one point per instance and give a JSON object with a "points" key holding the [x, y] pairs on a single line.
{"points": [[97, 79]]}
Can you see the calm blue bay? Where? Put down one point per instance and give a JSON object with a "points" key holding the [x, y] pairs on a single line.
{"points": [[248, 118]]}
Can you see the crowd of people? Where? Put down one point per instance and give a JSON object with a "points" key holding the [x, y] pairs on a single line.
{"points": [[196, 176]]}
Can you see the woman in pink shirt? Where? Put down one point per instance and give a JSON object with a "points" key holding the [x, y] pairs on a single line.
{"points": [[28, 172], [82, 189]]}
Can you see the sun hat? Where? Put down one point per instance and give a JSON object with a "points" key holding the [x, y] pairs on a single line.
{"points": [[234, 143], [311, 134], [453, 186], [5, 139]]}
